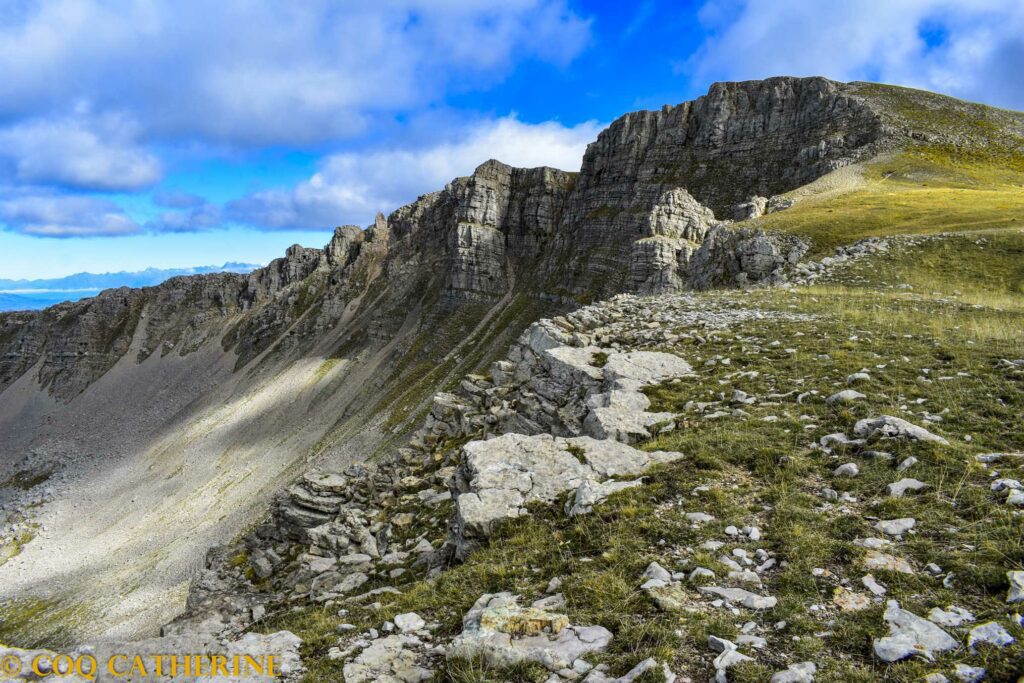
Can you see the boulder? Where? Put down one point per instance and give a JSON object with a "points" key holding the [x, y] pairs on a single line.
{"points": [[387, 660], [910, 635], [890, 427], [503, 634]]}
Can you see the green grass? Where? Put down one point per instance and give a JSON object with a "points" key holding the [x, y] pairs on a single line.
{"points": [[976, 129], [921, 191], [929, 322]]}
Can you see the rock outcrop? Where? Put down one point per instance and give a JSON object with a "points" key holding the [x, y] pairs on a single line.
{"points": [[631, 220]]}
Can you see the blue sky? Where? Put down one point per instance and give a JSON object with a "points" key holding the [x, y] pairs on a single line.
{"points": [[138, 133]]}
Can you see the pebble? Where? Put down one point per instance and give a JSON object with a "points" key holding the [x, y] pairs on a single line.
{"points": [[850, 469], [657, 572], [720, 644], [845, 396], [699, 517], [906, 464], [896, 527], [801, 672], [898, 488], [872, 585], [740, 597], [969, 674]]}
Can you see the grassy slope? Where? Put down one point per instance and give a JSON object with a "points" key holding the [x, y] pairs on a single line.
{"points": [[964, 313], [965, 172], [923, 190]]}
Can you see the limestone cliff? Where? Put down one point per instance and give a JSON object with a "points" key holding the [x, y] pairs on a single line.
{"points": [[630, 220]]}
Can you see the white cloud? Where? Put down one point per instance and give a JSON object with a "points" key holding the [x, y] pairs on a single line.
{"points": [[51, 215], [267, 73], [80, 152], [975, 52], [352, 187]]}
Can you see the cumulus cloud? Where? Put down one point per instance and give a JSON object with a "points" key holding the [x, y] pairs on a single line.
{"points": [[267, 73], [81, 152], [352, 187], [968, 48], [51, 215]]}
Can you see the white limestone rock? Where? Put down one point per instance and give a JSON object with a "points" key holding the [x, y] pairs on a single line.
{"points": [[896, 527], [888, 426], [844, 396], [801, 672], [1015, 593], [499, 631], [899, 488], [740, 596], [387, 660], [910, 635], [590, 493], [989, 633], [950, 617], [499, 477]]}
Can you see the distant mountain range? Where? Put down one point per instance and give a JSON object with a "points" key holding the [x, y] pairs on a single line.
{"points": [[20, 295]]}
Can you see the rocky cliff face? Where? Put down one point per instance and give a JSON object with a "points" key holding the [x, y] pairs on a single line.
{"points": [[631, 220], [640, 178], [333, 353]]}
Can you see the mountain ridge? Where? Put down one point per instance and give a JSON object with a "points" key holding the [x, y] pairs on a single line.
{"points": [[235, 383], [122, 278]]}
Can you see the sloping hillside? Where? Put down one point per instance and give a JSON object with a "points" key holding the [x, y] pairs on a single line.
{"points": [[159, 422], [783, 492]]}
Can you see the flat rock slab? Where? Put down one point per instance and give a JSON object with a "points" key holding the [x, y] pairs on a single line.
{"points": [[620, 411], [649, 664], [891, 427], [875, 559], [739, 596], [989, 633], [499, 477], [503, 634], [590, 493], [899, 488], [645, 367], [910, 635], [387, 660]]}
